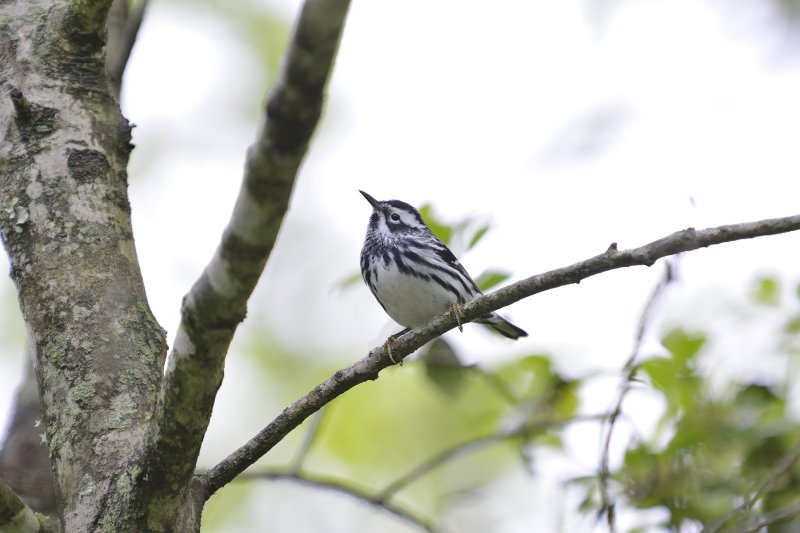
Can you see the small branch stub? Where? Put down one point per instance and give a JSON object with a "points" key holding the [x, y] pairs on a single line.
{"points": [[22, 106]]}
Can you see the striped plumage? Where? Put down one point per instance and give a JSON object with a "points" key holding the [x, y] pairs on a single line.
{"points": [[413, 275]]}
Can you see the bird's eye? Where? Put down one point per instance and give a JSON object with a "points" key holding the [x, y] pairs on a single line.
{"points": [[395, 217]]}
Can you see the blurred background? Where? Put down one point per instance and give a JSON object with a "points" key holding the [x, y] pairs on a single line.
{"points": [[563, 126]]}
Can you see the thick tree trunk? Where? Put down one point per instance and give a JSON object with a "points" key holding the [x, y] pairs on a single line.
{"points": [[98, 350], [123, 438]]}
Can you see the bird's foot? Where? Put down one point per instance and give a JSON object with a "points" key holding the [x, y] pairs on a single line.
{"points": [[458, 313], [387, 348]]}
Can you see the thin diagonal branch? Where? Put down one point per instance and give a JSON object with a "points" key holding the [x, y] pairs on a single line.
{"points": [[630, 370], [308, 440], [344, 487], [217, 302], [759, 523], [442, 457], [780, 469], [369, 367], [382, 498], [123, 28], [16, 516], [497, 384]]}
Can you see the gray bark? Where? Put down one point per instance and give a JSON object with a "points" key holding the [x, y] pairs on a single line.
{"points": [[98, 349]]}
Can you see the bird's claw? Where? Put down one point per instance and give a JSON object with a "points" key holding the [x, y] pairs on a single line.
{"points": [[458, 313], [387, 348]]}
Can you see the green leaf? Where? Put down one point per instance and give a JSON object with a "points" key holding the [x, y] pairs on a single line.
{"points": [[767, 291], [552, 440], [348, 281], [489, 278], [443, 231], [661, 372], [543, 393], [379, 431], [793, 326], [755, 396], [477, 236], [227, 509], [443, 367], [683, 345], [678, 384]]}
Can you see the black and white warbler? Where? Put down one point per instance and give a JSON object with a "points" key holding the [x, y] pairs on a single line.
{"points": [[414, 275]]}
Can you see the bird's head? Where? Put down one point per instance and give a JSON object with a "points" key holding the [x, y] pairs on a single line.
{"points": [[393, 217]]}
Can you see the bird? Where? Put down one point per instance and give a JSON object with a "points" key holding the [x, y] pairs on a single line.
{"points": [[413, 274]]}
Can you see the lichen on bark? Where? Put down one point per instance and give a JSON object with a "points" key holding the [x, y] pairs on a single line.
{"points": [[98, 349]]}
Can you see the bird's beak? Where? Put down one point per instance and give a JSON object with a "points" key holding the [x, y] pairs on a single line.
{"points": [[373, 202]]}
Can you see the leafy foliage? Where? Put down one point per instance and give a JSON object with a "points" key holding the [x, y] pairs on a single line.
{"points": [[724, 447], [461, 235], [489, 278], [767, 291]]}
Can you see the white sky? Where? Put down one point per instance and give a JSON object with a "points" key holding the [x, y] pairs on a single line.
{"points": [[569, 128]]}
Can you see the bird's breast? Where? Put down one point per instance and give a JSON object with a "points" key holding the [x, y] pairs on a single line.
{"points": [[410, 300]]}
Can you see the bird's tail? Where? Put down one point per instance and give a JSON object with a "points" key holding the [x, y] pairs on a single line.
{"points": [[502, 326]]}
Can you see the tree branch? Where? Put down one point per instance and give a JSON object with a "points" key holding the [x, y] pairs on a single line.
{"points": [[343, 487], [217, 303], [17, 517], [442, 457], [382, 498], [369, 367], [759, 523], [630, 370], [83, 23], [123, 28], [308, 441], [780, 469]]}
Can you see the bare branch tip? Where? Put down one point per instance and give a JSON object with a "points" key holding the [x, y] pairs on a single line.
{"points": [[21, 104]]}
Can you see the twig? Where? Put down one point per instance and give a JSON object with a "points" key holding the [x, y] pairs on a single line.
{"points": [[369, 367], [308, 440], [381, 499], [341, 486], [21, 104], [630, 370], [460, 449], [758, 523], [775, 474], [123, 28], [18, 517], [217, 303], [496, 383]]}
